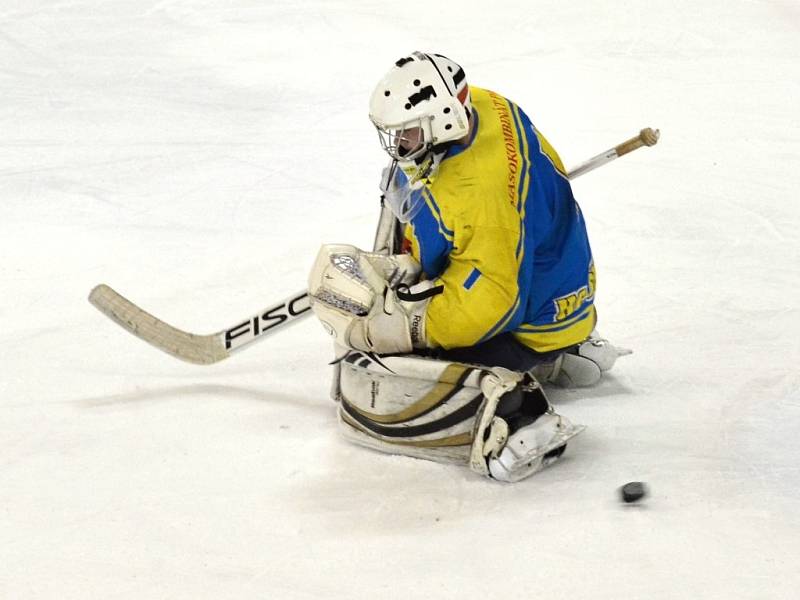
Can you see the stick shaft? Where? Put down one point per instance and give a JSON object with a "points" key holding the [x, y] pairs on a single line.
{"points": [[646, 137]]}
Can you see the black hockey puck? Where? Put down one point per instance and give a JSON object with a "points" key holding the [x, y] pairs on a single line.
{"points": [[633, 491]]}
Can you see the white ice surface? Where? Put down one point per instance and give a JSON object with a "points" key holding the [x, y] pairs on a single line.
{"points": [[195, 153]]}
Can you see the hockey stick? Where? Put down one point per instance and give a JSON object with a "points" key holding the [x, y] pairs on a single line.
{"points": [[214, 347], [646, 137], [193, 348]]}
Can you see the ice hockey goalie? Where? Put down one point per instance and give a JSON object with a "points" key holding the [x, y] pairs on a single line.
{"points": [[480, 285]]}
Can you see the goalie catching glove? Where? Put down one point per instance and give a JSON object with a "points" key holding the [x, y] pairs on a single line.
{"points": [[370, 302]]}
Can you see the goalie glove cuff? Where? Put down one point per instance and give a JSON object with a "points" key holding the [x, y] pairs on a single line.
{"points": [[395, 325], [414, 301]]}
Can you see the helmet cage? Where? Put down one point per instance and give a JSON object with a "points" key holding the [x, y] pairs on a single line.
{"points": [[416, 144]]}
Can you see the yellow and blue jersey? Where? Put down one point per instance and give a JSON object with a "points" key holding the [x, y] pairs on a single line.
{"points": [[501, 232]]}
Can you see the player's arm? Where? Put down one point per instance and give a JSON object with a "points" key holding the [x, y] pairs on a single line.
{"points": [[365, 307], [480, 289]]}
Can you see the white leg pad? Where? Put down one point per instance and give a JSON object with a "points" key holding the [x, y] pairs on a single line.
{"points": [[582, 367], [601, 352], [410, 405], [576, 371], [446, 412]]}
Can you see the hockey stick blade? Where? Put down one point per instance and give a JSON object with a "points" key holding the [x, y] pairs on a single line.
{"points": [[190, 347]]}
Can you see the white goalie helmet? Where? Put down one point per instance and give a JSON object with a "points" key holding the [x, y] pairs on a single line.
{"points": [[423, 101]]}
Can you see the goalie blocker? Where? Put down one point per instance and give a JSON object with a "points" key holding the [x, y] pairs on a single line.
{"points": [[496, 421]]}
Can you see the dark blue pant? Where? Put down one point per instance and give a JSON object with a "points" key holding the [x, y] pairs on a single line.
{"points": [[500, 351]]}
